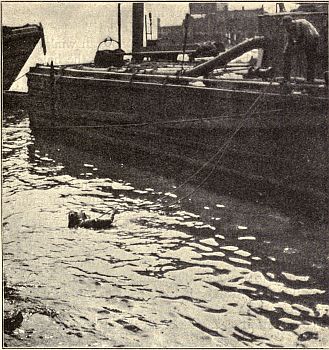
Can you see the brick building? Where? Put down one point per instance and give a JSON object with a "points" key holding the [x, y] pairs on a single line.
{"points": [[211, 22]]}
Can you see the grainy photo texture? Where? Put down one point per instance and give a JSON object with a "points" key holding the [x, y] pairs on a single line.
{"points": [[165, 174]]}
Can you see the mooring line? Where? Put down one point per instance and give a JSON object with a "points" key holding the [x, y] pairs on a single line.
{"points": [[220, 150]]}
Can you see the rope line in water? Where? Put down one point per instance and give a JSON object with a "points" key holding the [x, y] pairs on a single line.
{"points": [[220, 150]]}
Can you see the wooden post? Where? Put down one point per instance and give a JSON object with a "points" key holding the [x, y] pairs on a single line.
{"points": [[119, 25], [186, 27], [151, 24], [52, 89], [138, 26]]}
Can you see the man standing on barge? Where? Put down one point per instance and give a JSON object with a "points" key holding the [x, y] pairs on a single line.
{"points": [[302, 37]]}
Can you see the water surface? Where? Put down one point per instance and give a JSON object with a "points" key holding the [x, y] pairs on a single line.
{"points": [[214, 271]]}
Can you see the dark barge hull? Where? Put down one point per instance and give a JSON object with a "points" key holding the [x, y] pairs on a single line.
{"points": [[18, 45], [283, 144]]}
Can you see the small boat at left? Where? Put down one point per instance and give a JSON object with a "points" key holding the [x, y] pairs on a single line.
{"points": [[18, 45]]}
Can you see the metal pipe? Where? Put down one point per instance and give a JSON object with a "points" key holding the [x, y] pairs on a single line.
{"points": [[225, 57]]}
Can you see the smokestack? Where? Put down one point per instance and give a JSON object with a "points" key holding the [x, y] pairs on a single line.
{"points": [[138, 26]]}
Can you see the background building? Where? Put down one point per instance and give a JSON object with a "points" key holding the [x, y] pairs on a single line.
{"points": [[211, 22]]}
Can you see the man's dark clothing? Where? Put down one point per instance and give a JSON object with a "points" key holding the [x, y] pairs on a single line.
{"points": [[302, 37]]}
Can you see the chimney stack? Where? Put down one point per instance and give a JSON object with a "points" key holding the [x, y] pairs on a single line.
{"points": [[138, 26]]}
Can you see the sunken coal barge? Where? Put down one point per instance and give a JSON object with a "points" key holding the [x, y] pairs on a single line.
{"points": [[248, 127]]}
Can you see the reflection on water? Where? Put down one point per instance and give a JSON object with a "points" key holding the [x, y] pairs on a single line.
{"points": [[214, 271]]}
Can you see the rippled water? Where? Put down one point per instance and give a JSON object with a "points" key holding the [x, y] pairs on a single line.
{"points": [[215, 271]]}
